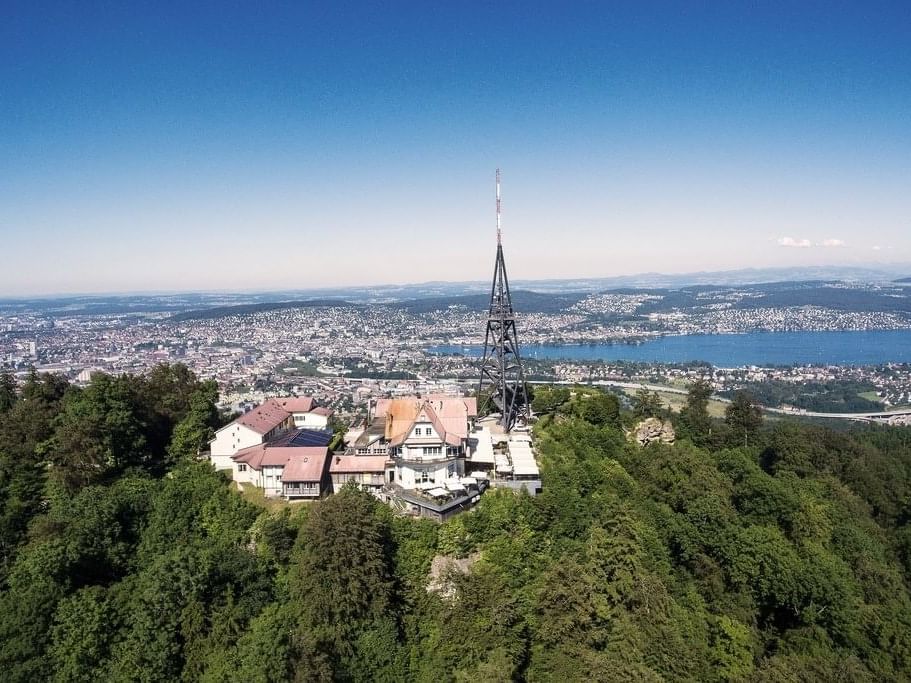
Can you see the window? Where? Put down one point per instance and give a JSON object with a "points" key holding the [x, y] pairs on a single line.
{"points": [[428, 431], [241, 468]]}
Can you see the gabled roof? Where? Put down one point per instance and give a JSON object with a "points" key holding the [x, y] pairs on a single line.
{"points": [[264, 418], [471, 403], [305, 466], [263, 455], [372, 432], [382, 405], [400, 416], [271, 413], [449, 417], [295, 404]]}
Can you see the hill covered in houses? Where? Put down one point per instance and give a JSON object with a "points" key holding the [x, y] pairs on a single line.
{"points": [[742, 551]]}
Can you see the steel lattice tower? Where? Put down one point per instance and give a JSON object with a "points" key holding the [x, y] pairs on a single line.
{"points": [[501, 368]]}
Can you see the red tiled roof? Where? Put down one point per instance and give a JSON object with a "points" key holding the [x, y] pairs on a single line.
{"points": [[400, 416], [296, 404], [262, 455], [252, 455], [347, 464], [471, 403], [278, 456], [448, 415], [319, 410], [264, 418], [382, 405], [305, 466]]}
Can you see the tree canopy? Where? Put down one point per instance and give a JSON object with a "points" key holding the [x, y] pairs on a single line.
{"points": [[784, 556]]}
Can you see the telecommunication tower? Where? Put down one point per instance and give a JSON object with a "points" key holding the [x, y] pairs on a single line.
{"points": [[501, 368]]}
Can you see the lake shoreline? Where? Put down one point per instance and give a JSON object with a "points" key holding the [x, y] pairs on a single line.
{"points": [[729, 350]]}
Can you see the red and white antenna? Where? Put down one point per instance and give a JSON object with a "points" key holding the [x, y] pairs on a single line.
{"points": [[498, 206]]}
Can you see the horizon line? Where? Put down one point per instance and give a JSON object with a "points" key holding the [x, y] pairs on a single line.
{"points": [[252, 291]]}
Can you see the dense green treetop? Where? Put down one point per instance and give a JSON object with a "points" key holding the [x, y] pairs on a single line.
{"points": [[744, 552]]}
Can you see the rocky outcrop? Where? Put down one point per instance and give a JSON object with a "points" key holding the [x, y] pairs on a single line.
{"points": [[653, 430], [444, 569]]}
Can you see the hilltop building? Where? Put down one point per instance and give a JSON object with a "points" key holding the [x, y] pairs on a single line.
{"points": [[413, 453], [263, 423], [280, 446]]}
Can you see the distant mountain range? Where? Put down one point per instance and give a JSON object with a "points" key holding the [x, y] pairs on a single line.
{"points": [[745, 276], [431, 295]]}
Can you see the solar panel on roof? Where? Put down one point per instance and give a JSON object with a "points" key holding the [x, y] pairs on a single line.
{"points": [[311, 437]]}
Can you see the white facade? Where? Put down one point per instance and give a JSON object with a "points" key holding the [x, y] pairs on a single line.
{"points": [[243, 473], [230, 439], [409, 474], [310, 420], [271, 483], [423, 457]]}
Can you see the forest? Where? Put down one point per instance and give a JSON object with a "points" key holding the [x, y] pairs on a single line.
{"points": [[833, 396], [748, 550]]}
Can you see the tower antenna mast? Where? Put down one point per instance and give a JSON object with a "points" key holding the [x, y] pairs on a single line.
{"points": [[499, 234], [502, 376]]}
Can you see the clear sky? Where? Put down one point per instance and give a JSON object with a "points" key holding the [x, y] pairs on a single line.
{"points": [[259, 145]]}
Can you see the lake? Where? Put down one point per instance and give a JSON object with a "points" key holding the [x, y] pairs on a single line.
{"points": [[732, 350]]}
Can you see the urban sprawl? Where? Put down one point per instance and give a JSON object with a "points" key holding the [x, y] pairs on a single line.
{"points": [[345, 355]]}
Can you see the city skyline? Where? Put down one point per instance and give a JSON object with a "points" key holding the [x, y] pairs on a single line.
{"points": [[173, 149]]}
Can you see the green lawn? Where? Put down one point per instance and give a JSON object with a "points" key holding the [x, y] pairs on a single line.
{"points": [[870, 396], [675, 402], [255, 495]]}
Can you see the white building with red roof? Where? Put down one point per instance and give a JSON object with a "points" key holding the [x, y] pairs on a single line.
{"points": [[367, 471], [304, 412], [253, 428], [264, 423], [283, 470], [426, 440]]}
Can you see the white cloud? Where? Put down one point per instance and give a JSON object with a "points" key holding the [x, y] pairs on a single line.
{"points": [[832, 243], [791, 242]]}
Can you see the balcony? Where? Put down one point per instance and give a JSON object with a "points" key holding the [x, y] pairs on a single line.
{"points": [[301, 490]]}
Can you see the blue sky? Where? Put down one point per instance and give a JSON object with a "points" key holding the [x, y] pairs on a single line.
{"points": [[224, 145]]}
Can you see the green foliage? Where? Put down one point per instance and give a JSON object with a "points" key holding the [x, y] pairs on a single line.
{"points": [[743, 416], [549, 399], [598, 408], [26, 424], [782, 556], [8, 395], [694, 421], [341, 584], [198, 425], [833, 396], [647, 404]]}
